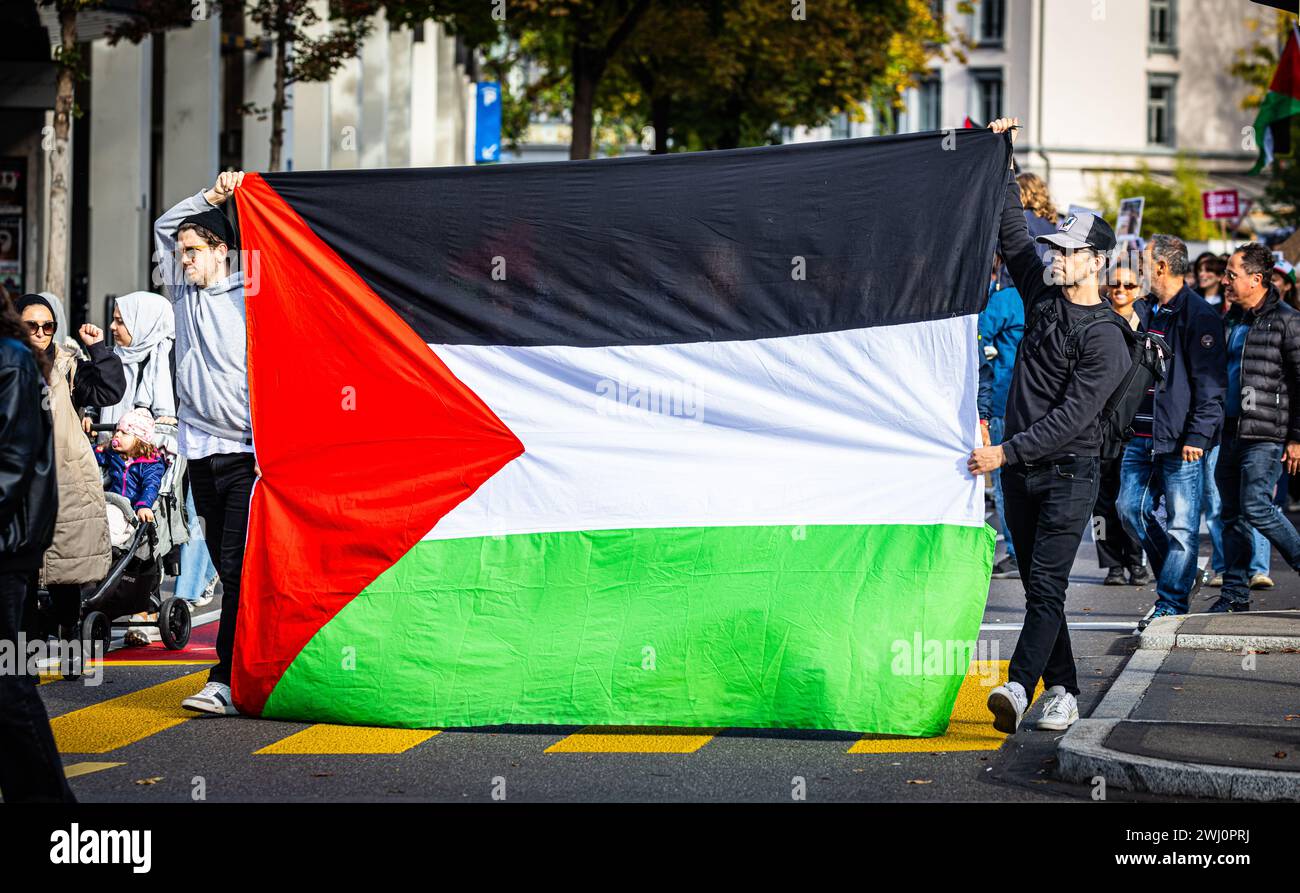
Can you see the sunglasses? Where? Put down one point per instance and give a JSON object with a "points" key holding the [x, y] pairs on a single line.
{"points": [[1127, 286], [37, 327]]}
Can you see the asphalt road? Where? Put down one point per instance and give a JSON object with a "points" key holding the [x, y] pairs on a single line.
{"points": [[127, 740]]}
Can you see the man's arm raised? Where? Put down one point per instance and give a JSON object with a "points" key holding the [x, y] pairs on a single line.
{"points": [[1016, 245]]}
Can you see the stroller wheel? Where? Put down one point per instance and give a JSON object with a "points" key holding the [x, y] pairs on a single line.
{"points": [[95, 631], [174, 623]]}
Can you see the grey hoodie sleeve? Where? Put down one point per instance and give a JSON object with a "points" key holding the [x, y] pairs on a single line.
{"points": [[164, 238]]}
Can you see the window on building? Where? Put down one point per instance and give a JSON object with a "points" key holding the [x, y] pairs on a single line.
{"points": [[1160, 110], [930, 102], [991, 19], [1161, 35], [987, 100]]}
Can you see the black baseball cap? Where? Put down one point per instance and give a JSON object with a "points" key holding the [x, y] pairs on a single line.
{"points": [[1082, 230]]}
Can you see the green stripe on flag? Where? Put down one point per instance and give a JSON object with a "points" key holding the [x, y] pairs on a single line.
{"points": [[865, 628]]}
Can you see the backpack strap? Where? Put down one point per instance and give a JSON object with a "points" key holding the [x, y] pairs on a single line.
{"points": [[1103, 314]]}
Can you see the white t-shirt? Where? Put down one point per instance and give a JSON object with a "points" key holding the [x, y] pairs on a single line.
{"points": [[195, 443]]}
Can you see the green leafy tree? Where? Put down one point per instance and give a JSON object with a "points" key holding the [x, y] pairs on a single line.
{"points": [[705, 73], [1174, 208]]}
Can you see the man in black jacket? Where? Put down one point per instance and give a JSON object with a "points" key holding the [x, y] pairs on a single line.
{"points": [[1175, 426], [30, 768], [1052, 440], [1262, 427]]}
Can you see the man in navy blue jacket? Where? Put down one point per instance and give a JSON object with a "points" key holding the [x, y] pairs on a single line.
{"points": [[1176, 425]]}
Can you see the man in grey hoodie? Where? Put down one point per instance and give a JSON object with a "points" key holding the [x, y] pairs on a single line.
{"points": [[197, 254]]}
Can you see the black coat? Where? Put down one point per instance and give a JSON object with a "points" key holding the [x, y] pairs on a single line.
{"points": [[1189, 403], [99, 381], [29, 497], [1270, 371]]}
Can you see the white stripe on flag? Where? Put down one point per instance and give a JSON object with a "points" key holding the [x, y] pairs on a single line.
{"points": [[870, 426]]}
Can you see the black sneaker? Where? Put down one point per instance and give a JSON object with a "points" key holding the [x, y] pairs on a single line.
{"points": [[1228, 606], [1006, 569], [1115, 577], [1138, 575]]}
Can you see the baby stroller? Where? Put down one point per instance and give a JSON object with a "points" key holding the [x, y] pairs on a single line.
{"points": [[134, 581]]}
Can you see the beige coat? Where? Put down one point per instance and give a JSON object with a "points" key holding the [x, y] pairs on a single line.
{"points": [[80, 552]]}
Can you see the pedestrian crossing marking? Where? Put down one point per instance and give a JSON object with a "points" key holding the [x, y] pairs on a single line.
{"points": [[971, 725], [325, 738], [72, 770], [126, 719], [633, 739]]}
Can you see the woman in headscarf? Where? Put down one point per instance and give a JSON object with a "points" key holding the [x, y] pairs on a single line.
{"points": [[144, 331], [80, 552]]}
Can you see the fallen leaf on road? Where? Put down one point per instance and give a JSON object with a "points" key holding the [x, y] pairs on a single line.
{"points": [[154, 780], [1281, 754], [920, 781], [1291, 716]]}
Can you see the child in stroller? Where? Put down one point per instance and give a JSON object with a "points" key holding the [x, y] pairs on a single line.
{"points": [[131, 595], [134, 469]]}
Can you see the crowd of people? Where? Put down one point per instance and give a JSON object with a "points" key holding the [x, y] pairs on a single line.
{"points": [[1215, 436], [1164, 484], [1213, 433], [175, 359]]}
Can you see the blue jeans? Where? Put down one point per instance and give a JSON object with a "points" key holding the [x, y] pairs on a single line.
{"points": [[996, 427], [1211, 508], [197, 570], [1246, 475], [1261, 552], [1172, 549]]}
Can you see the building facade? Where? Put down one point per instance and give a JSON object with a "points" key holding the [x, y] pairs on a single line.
{"points": [[1101, 86], [162, 117]]}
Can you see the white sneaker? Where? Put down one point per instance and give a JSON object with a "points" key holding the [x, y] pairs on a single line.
{"points": [[1060, 711], [1008, 704], [215, 698], [201, 602]]}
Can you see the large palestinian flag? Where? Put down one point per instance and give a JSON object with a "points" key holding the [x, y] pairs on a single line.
{"points": [[665, 441]]}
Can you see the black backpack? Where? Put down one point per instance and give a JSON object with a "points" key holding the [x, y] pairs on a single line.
{"points": [[1150, 354]]}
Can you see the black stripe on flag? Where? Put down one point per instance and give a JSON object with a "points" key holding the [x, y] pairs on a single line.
{"points": [[709, 246]]}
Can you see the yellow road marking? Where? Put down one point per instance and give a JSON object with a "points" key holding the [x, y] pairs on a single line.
{"points": [[633, 739], [331, 739], [971, 726], [124, 720], [152, 663], [74, 769]]}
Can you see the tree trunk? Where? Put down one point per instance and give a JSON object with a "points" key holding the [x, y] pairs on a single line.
{"points": [[278, 103], [585, 76], [56, 256], [659, 121]]}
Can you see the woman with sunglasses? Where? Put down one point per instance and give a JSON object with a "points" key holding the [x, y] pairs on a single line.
{"points": [[80, 552], [1117, 552]]}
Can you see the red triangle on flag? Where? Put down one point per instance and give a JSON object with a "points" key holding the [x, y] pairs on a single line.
{"points": [[364, 437]]}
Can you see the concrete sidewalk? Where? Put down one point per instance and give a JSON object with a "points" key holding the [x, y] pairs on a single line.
{"points": [[1208, 706]]}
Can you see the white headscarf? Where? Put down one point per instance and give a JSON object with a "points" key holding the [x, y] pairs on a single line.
{"points": [[61, 322], [148, 317]]}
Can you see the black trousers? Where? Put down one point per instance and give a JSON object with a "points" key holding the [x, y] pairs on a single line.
{"points": [[1115, 547], [30, 768], [223, 489], [1048, 507]]}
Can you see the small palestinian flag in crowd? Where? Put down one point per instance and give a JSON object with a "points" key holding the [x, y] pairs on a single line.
{"points": [[1282, 102], [655, 441]]}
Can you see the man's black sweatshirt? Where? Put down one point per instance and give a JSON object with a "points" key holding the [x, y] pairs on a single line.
{"points": [[1052, 411]]}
